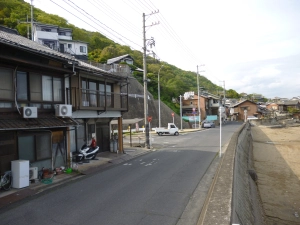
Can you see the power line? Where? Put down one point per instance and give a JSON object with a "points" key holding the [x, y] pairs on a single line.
{"points": [[111, 13], [100, 23], [80, 19]]}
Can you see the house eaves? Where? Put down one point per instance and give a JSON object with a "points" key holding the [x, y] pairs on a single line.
{"points": [[98, 72], [74, 41], [25, 44]]}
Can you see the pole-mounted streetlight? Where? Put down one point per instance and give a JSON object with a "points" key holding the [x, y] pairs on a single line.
{"points": [[159, 121]]}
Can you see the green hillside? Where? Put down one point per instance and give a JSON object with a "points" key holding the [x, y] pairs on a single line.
{"points": [[173, 80]]}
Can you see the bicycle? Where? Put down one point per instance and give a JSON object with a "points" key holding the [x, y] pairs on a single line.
{"points": [[6, 181]]}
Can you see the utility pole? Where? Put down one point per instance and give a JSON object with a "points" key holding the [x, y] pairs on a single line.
{"points": [[147, 141], [32, 22], [199, 108], [224, 92], [199, 112], [27, 27], [180, 112], [159, 119]]}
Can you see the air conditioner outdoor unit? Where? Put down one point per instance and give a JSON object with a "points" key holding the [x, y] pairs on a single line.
{"points": [[33, 173], [63, 110], [29, 112]]}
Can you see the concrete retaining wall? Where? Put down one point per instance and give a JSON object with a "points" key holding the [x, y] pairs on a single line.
{"points": [[136, 108], [246, 205], [234, 198]]}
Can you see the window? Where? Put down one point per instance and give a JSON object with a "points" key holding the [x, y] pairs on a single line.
{"points": [[62, 33], [102, 95], [35, 147], [5, 105], [45, 88], [6, 84], [46, 29], [69, 45], [22, 92], [108, 95], [83, 49], [57, 91], [93, 94]]}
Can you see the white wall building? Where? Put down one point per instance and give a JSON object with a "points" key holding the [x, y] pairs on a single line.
{"points": [[60, 39]]}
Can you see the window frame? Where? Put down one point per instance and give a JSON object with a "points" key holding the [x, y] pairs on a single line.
{"points": [[103, 97], [82, 49]]}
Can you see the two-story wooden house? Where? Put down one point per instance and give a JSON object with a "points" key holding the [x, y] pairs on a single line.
{"points": [[241, 110], [51, 103], [209, 105]]}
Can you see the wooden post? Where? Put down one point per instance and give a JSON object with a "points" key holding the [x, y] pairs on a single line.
{"points": [[69, 148]]}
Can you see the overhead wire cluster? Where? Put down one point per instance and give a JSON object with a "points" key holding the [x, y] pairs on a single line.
{"points": [[83, 13]]}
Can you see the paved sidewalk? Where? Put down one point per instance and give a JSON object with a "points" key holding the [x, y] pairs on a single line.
{"points": [[132, 148], [103, 160]]}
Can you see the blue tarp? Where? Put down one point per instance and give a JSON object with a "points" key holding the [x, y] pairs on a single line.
{"points": [[190, 118], [196, 118], [212, 118]]}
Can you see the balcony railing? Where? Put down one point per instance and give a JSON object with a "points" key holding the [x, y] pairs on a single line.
{"points": [[98, 100]]}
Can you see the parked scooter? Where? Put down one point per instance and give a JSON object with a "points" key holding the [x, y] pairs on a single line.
{"points": [[87, 153]]}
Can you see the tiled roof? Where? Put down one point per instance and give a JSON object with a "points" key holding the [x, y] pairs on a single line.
{"points": [[110, 61], [289, 102], [242, 102], [26, 44], [16, 122]]}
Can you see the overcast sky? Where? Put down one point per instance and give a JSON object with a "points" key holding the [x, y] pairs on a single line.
{"points": [[252, 45]]}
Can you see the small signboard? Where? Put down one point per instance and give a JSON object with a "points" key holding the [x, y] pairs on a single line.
{"points": [[149, 119], [172, 114]]}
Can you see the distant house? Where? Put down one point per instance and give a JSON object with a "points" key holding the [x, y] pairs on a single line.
{"points": [[272, 106], [123, 58], [243, 109], [60, 39], [296, 98], [284, 105], [209, 105], [116, 65]]}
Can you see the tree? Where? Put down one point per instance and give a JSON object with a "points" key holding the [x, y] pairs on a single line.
{"points": [[292, 110], [232, 94]]}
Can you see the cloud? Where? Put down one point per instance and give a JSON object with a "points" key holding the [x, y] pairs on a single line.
{"points": [[271, 78]]}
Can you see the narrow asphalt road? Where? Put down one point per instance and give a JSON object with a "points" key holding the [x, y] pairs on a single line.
{"points": [[155, 188]]}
